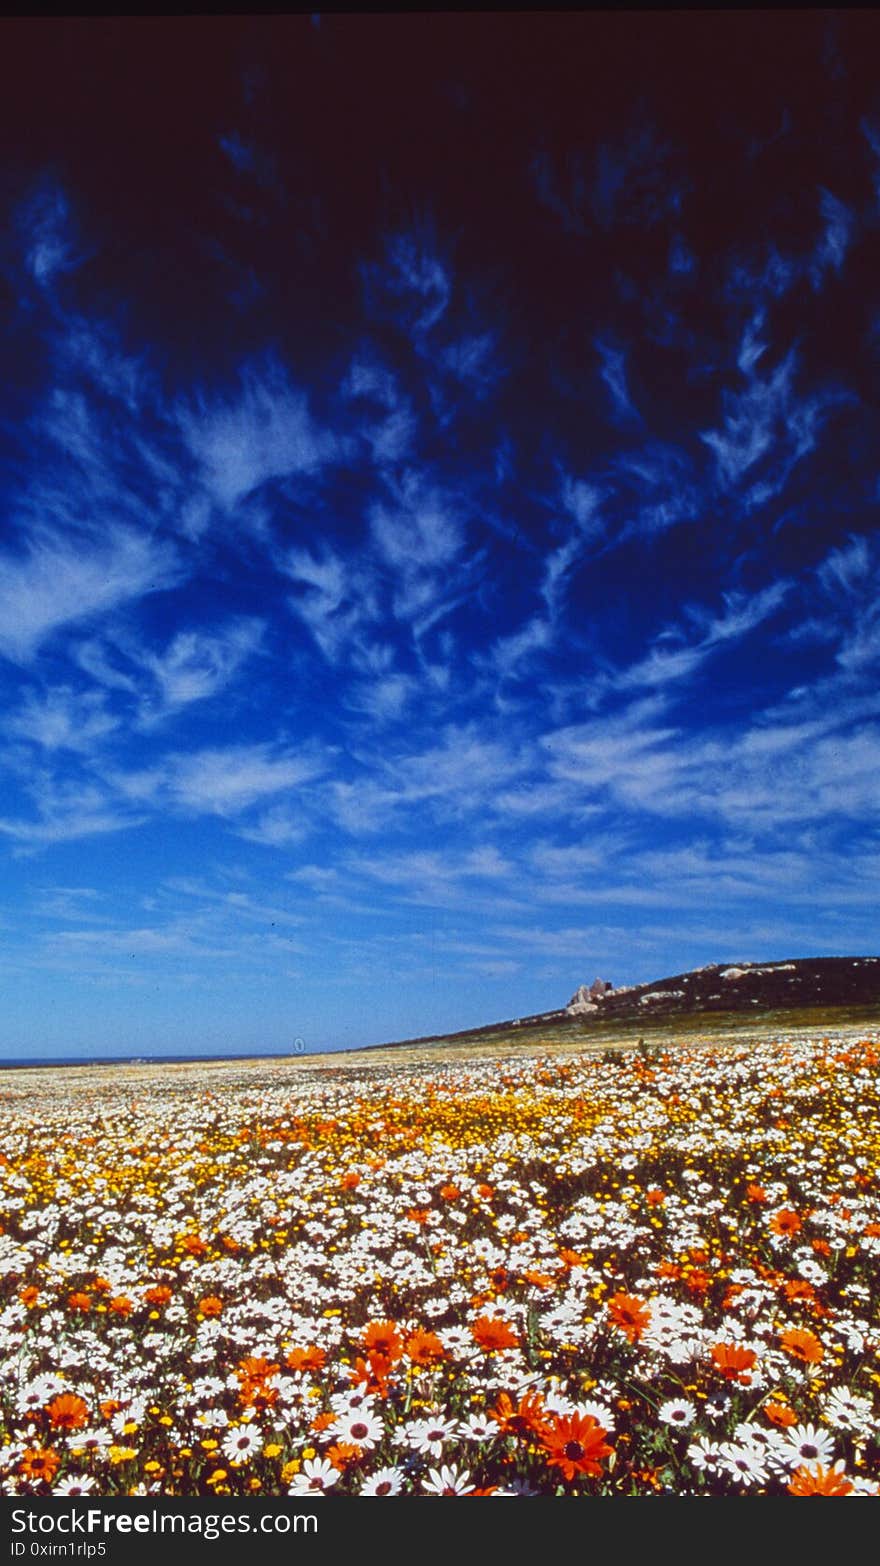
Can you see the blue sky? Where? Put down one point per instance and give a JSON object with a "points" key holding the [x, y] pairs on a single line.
{"points": [[439, 556]]}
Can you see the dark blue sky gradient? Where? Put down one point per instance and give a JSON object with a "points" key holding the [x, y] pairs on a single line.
{"points": [[439, 554]]}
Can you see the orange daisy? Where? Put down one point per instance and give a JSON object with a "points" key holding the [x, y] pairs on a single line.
{"points": [[525, 1418], [306, 1359], [786, 1221], [68, 1412], [39, 1464], [629, 1314], [194, 1244], [342, 1454], [802, 1344], [575, 1444], [819, 1481], [734, 1362], [159, 1294], [424, 1348], [382, 1339], [373, 1371], [780, 1414], [489, 1333]]}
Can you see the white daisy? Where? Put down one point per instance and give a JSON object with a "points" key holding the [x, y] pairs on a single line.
{"points": [[363, 1429], [600, 1412], [706, 1456], [745, 1464], [477, 1427], [357, 1401], [317, 1476], [243, 1443], [845, 1410], [89, 1440], [429, 1436], [385, 1481], [448, 1481], [804, 1446], [678, 1413], [74, 1484], [770, 1442]]}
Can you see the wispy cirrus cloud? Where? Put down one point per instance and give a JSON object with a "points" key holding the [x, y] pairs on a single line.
{"points": [[581, 505], [386, 417], [771, 271], [613, 373], [847, 567], [60, 579], [76, 904], [847, 614], [62, 719], [415, 288], [147, 685], [654, 488], [423, 873], [413, 284], [262, 431], [416, 541], [772, 773], [337, 596], [222, 780], [674, 658], [446, 781], [278, 827], [45, 223], [516, 653], [197, 664], [768, 422], [65, 810], [423, 531], [839, 225]]}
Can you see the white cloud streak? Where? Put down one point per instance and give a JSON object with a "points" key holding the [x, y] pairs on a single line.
{"points": [[60, 579]]}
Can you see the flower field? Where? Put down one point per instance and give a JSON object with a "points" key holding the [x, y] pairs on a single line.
{"points": [[556, 1275]]}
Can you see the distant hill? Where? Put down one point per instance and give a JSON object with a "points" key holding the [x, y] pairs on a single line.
{"points": [[799, 991], [797, 982]]}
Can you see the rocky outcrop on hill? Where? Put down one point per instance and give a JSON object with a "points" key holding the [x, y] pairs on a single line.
{"points": [[586, 999]]}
